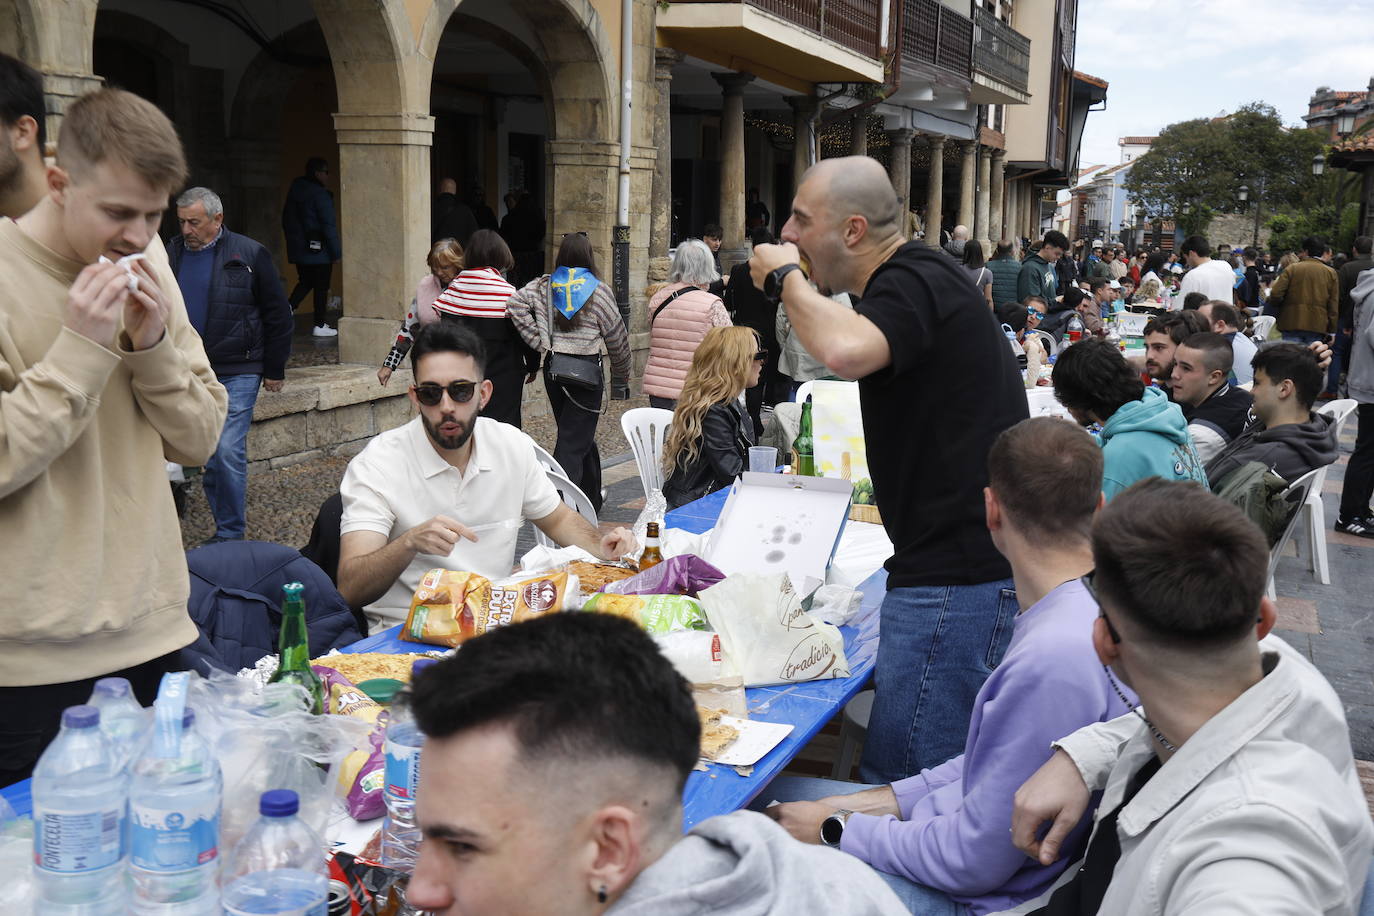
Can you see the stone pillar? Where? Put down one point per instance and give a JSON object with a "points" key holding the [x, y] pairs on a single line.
{"points": [[858, 135], [996, 219], [732, 248], [60, 90], [899, 169], [804, 153], [386, 232], [661, 206], [980, 209], [966, 166], [935, 190]]}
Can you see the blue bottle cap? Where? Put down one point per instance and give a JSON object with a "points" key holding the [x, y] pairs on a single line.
{"points": [[421, 664], [113, 687], [188, 718], [279, 803], [80, 717]]}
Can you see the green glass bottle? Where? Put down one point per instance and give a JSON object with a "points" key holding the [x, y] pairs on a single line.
{"points": [[803, 447], [293, 647]]}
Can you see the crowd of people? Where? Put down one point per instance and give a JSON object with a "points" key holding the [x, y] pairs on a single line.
{"points": [[1080, 706]]}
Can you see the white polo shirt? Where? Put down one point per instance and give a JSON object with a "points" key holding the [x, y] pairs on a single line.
{"points": [[1214, 279], [399, 481]]}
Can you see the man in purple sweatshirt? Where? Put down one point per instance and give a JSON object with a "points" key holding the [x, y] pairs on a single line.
{"points": [[942, 837]]}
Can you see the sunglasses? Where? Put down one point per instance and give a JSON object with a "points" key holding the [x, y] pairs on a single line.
{"points": [[431, 393], [1087, 581], [761, 356], [1034, 313]]}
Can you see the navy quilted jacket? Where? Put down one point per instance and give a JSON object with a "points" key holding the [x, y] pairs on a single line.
{"points": [[248, 321]]}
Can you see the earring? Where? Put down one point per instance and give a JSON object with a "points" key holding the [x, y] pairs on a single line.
{"points": [[601, 894]]}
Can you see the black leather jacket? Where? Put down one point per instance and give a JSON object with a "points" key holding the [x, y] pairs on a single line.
{"points": [[726, 434]]}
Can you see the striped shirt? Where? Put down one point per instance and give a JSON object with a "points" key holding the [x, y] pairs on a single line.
{"points": [[478, 293]]}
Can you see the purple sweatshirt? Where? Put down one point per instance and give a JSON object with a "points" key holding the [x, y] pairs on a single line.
{"points": [[954, 832]]}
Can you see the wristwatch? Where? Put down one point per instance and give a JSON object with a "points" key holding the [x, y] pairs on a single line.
{"points": [[832, 828], [772, 284]]}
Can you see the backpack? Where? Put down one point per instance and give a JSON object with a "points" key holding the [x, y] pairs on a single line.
{"points": [[1255, 490]]}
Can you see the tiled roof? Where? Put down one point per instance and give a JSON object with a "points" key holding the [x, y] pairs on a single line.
{"points": [[1089, 78], [1356, 145]]}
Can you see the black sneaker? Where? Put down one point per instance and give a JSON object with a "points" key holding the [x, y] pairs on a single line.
{"points": [[1360, 527]]}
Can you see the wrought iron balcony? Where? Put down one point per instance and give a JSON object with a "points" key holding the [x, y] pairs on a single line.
{"points": [[854, 24], [933, 35], [1000, 52]]}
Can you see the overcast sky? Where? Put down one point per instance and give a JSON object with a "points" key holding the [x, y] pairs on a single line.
{"points": [[1172, 60]]}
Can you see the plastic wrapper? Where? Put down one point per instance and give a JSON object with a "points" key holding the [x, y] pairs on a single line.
{"points": [[361, 774], [655, 613], [835, 604], [655, 508], [767, 637], [450, 607], [696, 654], [687, 574]]}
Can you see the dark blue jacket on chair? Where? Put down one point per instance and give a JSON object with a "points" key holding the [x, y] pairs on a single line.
{"points": [[236, 604]]}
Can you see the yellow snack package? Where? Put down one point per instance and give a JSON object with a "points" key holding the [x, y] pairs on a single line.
{"points": [[451, 607]]}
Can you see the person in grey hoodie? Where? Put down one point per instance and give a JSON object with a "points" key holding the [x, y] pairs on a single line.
{"points": [[1286, 436], [1356, 516], [551, 784]]}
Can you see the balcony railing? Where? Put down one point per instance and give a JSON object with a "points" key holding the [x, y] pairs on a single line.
{"points": [[935, 35], [853, 24], [999, 51]]}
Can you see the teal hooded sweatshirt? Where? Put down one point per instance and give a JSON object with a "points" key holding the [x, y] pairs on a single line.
{"points": [[1147, 438]]}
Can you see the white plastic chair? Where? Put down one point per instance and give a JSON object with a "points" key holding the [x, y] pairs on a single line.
{"points": [[853, 730], [574, 498], [1312, 533], [1051, 345], [803, 392], [1263, 325], [547, 461], [1295, 496], [646, 429]]}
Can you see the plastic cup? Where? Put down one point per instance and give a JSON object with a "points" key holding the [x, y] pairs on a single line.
{"points": [[763, 458]]}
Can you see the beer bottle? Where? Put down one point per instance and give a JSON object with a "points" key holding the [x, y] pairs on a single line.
{"points": [[803, 447], [651, 556], [293, 647]]}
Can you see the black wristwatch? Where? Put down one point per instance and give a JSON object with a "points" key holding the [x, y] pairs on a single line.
{"points": [[832, 828], [772, 284]]}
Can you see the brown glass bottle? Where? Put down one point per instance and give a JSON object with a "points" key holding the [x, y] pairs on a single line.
{"points": [[651, 556]]}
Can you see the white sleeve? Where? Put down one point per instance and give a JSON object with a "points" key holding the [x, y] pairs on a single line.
{"points": [[1206, 441], [365, 505], [1095, 748]]}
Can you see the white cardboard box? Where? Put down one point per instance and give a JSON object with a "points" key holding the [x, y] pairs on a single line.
{"points": [[781, 523]]}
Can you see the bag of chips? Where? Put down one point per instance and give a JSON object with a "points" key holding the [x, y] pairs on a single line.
{"points": [[655, 613], [452, 606], [362, 773]]}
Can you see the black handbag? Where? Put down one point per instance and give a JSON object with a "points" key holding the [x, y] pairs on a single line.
{"points": [[574, 371]]}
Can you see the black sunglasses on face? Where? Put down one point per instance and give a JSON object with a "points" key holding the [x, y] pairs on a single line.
{"points": [[1087, 581], [431, 393]]}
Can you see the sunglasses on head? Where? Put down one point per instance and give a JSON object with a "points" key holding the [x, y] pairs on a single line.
{"points": [[761, 356], [431, 393]]}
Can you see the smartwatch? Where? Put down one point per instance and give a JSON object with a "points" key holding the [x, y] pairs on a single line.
{"points": [[772, 284], [832, 828]]}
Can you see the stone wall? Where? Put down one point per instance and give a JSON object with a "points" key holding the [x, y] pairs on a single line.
{"points": [[1237, 229]]}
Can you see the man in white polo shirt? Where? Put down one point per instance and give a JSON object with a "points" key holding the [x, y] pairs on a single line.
{"points": [[1214, 279], [448, 489]]}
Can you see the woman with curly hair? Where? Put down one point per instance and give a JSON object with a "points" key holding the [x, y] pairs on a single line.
{"points": [[708, 445]]}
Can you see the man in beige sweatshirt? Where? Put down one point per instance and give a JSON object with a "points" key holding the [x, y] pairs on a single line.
{"points": [[102, 379]]}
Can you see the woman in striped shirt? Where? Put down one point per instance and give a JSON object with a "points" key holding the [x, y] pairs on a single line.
{"points": [[477, 297]]}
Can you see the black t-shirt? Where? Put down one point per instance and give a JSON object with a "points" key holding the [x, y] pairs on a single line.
{"points": [[931, 415]]}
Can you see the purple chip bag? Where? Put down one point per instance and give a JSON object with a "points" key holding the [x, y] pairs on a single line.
{"points": [[685, 574], [363, 770]]}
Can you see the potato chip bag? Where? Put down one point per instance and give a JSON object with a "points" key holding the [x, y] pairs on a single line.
{"points": [[361, 774], [655, 613], [451, 607]]}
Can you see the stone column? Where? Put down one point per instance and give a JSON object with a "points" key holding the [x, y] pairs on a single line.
{"points": [[732, 249], [935, 189], [661, 205], [803, 130], [899, 168], [966, 166], [60, 90], [386, 232], [980, 209], [858, 135], [997, 187]]}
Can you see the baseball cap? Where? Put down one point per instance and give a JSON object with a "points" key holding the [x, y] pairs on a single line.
{"points": [[1114, 285]]}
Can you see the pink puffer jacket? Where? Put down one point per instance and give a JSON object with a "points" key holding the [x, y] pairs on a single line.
{"points": [[675, 335]]}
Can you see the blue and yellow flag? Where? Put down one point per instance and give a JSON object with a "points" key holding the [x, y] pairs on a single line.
{"points": [[572, 287]]}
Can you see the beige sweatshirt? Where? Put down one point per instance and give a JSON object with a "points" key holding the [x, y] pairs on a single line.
{"points": [[94, 577]]}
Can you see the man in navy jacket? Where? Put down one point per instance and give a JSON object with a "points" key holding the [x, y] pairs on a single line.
{"points": [[235, 301]]}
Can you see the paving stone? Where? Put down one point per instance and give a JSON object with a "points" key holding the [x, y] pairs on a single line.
{"points": [[1298, 615]]}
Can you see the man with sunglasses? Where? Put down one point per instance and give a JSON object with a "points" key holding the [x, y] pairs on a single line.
{"points": [[1232, 788], [448, 489]]}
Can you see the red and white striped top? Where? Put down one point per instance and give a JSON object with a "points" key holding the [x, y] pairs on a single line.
{"points": [[478, 293]]}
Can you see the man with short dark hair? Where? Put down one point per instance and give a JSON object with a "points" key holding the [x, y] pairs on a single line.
{"points": [[1216, 410], [22, 136], [1038, 277], [1006, 270], [940, 837], [448, 489], [1162, 337], [1249, 292], [1307, 296], [235, 301], [1143, 434], [1232, 788], [713, 235], [312, 240], [1213, 278], [1103, 295], [1226, 321], [1286, 436], [556, 752]]}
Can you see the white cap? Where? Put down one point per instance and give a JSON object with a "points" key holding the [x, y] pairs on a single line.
{"points": [[1114, 285], [1178, 269]]}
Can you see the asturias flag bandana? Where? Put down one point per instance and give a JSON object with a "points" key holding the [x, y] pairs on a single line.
{"points": [[572, 288]]}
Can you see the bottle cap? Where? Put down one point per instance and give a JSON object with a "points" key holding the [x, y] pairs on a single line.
{"points": [[188, 718], [113, 687], [292, 590], [279, 803], [80, 717], [420, 664]]}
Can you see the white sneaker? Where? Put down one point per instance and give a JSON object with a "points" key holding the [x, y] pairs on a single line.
{"points": [[324, 330]]}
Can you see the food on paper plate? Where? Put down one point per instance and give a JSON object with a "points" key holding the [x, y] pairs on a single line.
{"points": [[593, 577], [366, 666], [716, 736], [451, 606]]}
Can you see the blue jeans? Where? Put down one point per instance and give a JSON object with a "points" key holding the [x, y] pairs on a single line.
{"points": [[1302, 337], [936, 646], [918, 898], [226, 473]]}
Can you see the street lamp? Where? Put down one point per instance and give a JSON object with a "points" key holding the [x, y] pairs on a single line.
{"points": [[1318, 164], [1243, 193], [1345, 124]]}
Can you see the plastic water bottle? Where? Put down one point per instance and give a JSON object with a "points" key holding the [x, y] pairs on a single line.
{"points": [[174, 808], [122, 719], [80, 805], [1073, 332], [400, 835], [279, 866]]}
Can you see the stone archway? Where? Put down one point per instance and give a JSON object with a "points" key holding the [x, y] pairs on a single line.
{"points": [[55, 39]]}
